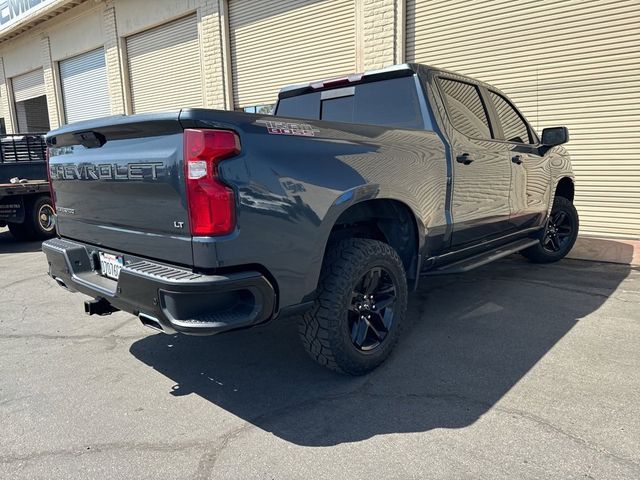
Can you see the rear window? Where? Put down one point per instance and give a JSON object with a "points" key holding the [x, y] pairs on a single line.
{"points": [[388, 103]]}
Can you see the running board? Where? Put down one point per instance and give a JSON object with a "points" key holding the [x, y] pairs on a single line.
{"points": [[483, 258]]}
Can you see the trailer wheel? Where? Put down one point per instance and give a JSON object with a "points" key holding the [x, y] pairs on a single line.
{"points": [[39, 222]]}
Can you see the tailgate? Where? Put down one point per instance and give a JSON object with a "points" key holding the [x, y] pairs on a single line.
{"points": [[119, 183]]}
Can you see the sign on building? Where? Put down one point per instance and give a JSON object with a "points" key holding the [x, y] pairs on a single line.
{"points": [[13, 10]]}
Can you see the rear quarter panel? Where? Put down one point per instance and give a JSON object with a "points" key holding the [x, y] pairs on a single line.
{"points": [[292, 188]]}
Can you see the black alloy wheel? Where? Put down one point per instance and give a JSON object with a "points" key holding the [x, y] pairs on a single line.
{"points": [[360, 309], [371, 312], [559, 235]]}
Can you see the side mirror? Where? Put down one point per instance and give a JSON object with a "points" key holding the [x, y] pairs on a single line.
{"points": [[555, 136]]}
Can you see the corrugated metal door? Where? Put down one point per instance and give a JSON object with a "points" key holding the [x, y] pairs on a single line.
{"points": [[29, 85], [573, 63], [274, 44], [165, 68], [84, 86]]}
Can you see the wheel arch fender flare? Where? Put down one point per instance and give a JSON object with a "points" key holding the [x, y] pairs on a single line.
{"points": [[358, 196]]}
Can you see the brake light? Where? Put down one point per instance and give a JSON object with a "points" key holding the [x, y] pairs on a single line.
{"points": [[337, 82], [51, 190], [210, 202]]}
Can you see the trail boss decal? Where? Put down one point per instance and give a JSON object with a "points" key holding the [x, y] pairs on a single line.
{"points": [[285, 128]]}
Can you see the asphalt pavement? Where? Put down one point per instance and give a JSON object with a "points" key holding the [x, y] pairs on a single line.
{"points": [[511, 371]]}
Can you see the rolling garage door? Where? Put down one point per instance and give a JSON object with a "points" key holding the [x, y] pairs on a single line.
{"points": [[28, 86], [84, 86], [293, 41], [164, 67], [563, 63], [30, 102]]}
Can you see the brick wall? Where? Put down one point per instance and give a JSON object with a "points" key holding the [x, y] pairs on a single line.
{"points": [[49, 83], [115, 74], [379, 30], [211, 40], [5, 104]]}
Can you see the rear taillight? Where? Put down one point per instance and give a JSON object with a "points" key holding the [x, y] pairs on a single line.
{"points": [[211, 202], [51, 190]]}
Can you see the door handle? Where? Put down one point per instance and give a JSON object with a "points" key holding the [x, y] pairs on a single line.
{"points": [[465, 158], [517, 159]]}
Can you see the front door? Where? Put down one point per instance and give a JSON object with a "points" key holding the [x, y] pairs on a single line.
{"points": [[481, 167], [530, 171]]}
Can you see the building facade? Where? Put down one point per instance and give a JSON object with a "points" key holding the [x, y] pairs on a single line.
{"points": [[564, 62]]}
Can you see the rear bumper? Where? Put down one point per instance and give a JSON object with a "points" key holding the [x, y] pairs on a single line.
{"points": [[170, 298]]}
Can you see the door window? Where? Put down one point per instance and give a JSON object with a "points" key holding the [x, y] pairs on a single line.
{"points": [[465, 108], [514, 127]]}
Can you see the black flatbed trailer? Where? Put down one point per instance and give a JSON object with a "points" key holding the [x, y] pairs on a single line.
{"points": [[25, 198]]}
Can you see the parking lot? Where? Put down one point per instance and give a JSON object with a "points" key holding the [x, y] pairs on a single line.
{"points": [[511, 371]]}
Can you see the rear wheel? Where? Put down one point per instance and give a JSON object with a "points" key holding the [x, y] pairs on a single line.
{"points": [[559, 236], [360, 308]]}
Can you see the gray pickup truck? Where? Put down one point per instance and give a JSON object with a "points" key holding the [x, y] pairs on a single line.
{"points": [[203, 221]]}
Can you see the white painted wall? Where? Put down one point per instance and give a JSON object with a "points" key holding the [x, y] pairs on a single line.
{"points": [[78, 35]]}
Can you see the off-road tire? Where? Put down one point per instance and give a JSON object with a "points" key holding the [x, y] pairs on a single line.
{"points": [[538, 253], [324, 329]]}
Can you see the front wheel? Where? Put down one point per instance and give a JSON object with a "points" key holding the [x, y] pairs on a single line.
{"points": [[361, 305], [559, 236]]}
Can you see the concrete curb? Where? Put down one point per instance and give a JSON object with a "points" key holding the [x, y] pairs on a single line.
{"points": [[613, 250]]}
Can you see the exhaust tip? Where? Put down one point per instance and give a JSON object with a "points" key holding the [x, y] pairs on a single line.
{"points": [[151, 322]]}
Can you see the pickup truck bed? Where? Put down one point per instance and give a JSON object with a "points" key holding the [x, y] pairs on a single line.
{"points": [[202, 221]]}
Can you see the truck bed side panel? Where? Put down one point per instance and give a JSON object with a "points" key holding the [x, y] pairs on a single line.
{"points": [[292, 188]]}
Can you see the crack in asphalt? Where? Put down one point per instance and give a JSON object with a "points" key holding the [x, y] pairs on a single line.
{"points": [[104, 447], [209, 459], [212, 453]]}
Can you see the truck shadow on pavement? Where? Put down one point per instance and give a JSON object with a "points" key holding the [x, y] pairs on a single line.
{"points": [[8, 244], [471, 338]]}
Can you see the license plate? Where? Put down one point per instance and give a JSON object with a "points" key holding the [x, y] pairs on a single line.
{"points": [[110, 265]]}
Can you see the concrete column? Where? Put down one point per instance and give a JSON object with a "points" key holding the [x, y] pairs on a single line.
{"points": [[214, 44], [50, 83], [6, 105], [113, 60]]}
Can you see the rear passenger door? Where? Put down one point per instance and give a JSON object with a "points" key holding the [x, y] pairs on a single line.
{"points": [[530, 171], [480, 206]]}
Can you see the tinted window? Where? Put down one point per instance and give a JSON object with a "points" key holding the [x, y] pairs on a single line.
{"points": [[391, 103], [465, 108], [513, 126], [302, 106], [338, 109]]}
